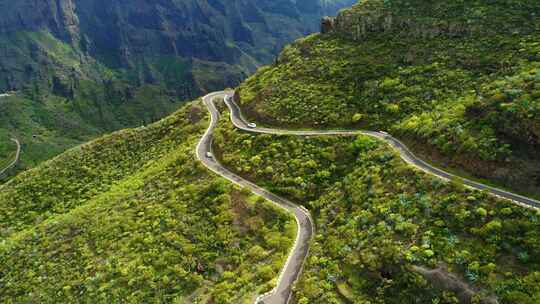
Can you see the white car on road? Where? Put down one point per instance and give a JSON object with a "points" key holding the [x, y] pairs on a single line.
{"points": [[251, 125], [209, 155]]}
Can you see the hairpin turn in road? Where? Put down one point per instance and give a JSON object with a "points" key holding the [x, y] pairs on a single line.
{"points": [[289, 274]]}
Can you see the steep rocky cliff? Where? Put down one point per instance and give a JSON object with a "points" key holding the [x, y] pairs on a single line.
{"points": [[136, 36], [428, 19], [58, 16], [84, 67]]}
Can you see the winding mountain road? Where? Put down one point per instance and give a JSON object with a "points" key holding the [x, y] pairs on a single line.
{"points": [[288, 275], [240, 122], [15, 160], [290, 272]]}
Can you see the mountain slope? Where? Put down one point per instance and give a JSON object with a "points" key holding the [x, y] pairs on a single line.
{"points": [[136, 36], [83, 68], [386, 232], [139, 220], [134, 217], [456, 81]]}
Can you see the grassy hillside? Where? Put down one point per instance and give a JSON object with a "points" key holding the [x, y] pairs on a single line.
{"points": [[456, 80], [7, 153], [387, 233], [53, 124], [134, 217], [83, 68]]}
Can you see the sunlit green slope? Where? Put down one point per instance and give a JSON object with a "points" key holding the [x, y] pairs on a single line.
{"points": [[456, 80], [386, 232], [134, 217]]}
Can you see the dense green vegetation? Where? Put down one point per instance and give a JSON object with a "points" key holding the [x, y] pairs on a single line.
{"points": [[72, 101], [456, 80], [52, 125], [80, 74], [7, 154], [134, 217], [383, 227], [507, 107]]}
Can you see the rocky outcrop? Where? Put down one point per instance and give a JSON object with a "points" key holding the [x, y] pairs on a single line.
{"points": [[431, 19], [358, 26], [57, 16], [327, 24]]}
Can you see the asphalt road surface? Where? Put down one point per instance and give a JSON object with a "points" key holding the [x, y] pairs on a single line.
{"points": [[288, 275], [290, 272], [15, 160], [241, 123]]}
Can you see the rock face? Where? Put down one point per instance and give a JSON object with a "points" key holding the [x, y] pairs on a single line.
{"points": [[86, 67], [58, 16], [139, 35], [429, 19], [327, 24]]}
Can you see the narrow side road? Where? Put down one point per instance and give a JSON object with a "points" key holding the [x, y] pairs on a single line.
{"points": [[240, 122], [290, 272], [15, 160]]}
